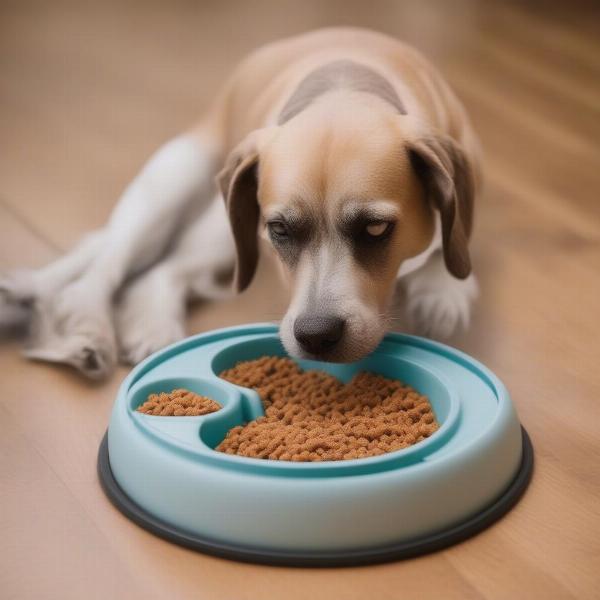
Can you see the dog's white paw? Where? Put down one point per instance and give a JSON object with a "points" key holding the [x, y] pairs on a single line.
{"points": [[438, 304], [73, 327], [149, 317], [139, 338], [17, 293], [92, 355]]}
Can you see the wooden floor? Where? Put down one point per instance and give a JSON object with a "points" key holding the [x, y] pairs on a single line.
{"points": [[87, 91]]}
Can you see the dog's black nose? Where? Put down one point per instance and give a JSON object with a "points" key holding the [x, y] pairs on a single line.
{"points": [[316, 333]]}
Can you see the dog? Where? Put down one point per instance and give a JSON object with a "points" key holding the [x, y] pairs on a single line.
{"points": [[342, 149]]}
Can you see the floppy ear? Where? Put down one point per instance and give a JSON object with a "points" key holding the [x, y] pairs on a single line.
{"points": [[446, 174], [238, 182]]}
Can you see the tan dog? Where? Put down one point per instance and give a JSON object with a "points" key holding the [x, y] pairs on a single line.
{"points": [[344, 149]]}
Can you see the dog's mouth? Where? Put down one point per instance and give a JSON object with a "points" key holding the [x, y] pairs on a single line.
{"points": [[345, 351], [334, 356], [335, 338], [323, 356]]}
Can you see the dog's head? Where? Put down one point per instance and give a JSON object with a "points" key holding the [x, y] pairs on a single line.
{"points": [[344, 200]]}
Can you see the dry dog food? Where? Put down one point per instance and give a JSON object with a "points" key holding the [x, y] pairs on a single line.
{"points": [[178, 403], [312, 416]]}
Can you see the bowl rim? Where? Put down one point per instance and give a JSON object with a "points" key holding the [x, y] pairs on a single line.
{"points": [[405, 458]]}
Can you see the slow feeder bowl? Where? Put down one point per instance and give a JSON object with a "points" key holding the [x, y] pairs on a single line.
{"points": [[163, 472]]}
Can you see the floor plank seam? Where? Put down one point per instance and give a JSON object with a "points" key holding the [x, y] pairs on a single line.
{"points": [[28, 226]]}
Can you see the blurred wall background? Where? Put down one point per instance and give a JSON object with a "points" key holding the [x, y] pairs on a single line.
{"points": [[88, 89]]}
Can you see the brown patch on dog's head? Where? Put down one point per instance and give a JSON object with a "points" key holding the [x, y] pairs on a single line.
{"points": [[339, 74]]}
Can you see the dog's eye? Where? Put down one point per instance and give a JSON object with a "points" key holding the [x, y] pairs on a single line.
{"points": [[378, 229], [277, 230]]}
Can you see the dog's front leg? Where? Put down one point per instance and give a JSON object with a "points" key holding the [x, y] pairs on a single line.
{"points": [[76, 326], [151, 310], [437, 303], [24, 290]]}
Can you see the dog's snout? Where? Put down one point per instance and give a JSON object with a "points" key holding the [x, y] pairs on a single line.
{"points": [[318, 333]]}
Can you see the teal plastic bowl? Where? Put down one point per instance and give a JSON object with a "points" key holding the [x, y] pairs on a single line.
{"points": [[164, 473]]}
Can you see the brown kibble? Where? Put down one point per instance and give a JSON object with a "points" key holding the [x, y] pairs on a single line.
{"points": [[178, 403], [312, 416]]}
